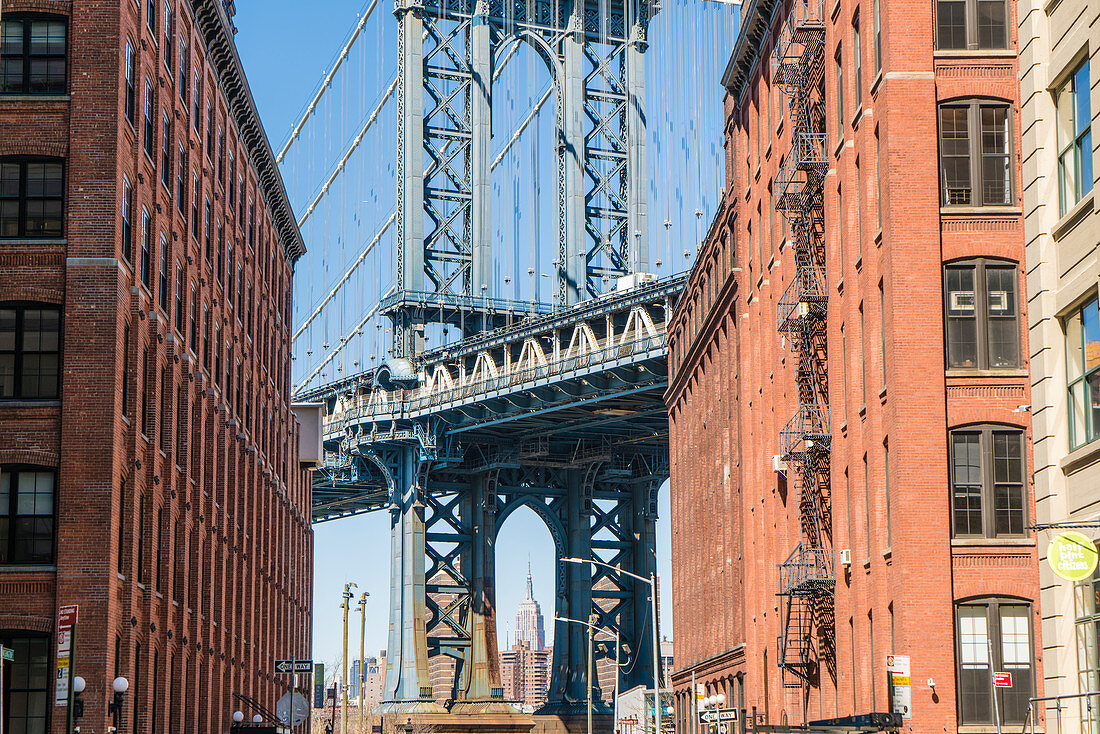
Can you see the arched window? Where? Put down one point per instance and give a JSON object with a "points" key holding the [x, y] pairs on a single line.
{"points": [[26, 514], [976, 148], [982, 313], [30, 351], [988, 487], [993, 635], [32, 54]]}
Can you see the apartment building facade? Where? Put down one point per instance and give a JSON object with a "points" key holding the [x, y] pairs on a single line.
{"points": [[149, 458], [1059, 43], [848, 392]]}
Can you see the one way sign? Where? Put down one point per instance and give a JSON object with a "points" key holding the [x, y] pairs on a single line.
{"points": [[293, 666]]}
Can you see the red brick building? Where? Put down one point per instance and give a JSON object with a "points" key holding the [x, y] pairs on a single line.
{"points": [[849, 428], [149, 465]]}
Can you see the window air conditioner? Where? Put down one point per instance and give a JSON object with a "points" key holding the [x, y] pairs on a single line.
{"points": [[846, 557], [778, 465]]}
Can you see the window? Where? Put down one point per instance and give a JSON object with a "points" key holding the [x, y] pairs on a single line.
{"points": [[194, 205], [146, 252], [127, 220], [209, 130], [886, 504], [163, 273], [194, 328], [988, 492], [839, 94], [209, 246], [971, 24], [166, 153], [877, 20], [29, 351], [1001, 628], [185, 65], [125, 380], [151, 16], [221, 158], [32, 55], [882, 329], [857, 61], [975, 154], [1086, 601], [26, 515], [131, 72], [179, 297], [27, 682], [169, 33], [1074, 138], [982, 316], [181, 181], [150, 128], [31, 197], [1083, 373], [196, 116]]}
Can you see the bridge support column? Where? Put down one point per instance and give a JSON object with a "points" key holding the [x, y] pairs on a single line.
{"points": [[408, 687], [410, 168], [481, 224], [637, 179], [640, 519], [573, 240]]}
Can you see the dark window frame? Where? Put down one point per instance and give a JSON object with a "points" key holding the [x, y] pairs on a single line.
{"points": [[129, 107], [9, 513], [181, 181], [981, 315], [26, 57], [987, 434], [23, 197], [971, 33], [150, 127], [166, 153], [995, 634], [19, 351], [20, 640], [976, 154], [127, 220]]}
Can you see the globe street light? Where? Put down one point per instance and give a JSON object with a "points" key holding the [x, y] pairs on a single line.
{"points": [[238, 717], [652, 581], [119, 686]]}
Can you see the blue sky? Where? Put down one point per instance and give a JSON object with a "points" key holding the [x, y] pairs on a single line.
{"points": [[285, 53]]}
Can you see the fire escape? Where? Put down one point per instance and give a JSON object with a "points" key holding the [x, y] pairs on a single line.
{"points": [[806, 578]]}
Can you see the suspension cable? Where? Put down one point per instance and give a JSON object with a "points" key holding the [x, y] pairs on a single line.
{"points": [[327, 81], [345, 341]]}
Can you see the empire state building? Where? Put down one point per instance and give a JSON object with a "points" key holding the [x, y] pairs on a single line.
{"points": [[529, 627]]}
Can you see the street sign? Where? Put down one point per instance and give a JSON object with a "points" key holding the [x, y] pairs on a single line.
{"points": [[1002, 680], [66, 620], [293, 666], [292, 708], [8, 654], [1072, 556], [716, 715], [901, 691]]}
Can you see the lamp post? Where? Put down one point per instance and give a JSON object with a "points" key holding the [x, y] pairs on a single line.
{"points": [[652, 581], [362, 659], [591, 625], [347, 595], [114, 707]]}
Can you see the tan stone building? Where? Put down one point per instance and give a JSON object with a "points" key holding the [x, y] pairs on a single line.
{"points": [[1057, 42]]}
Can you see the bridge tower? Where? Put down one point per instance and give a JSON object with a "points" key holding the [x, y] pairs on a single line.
{"points": [[450, 492]]}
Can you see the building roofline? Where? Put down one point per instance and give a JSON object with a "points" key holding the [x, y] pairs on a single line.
{"points": [[217, 31], [745, 56]]}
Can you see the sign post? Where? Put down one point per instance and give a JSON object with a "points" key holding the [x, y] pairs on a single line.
{"points": [[901, 691]]}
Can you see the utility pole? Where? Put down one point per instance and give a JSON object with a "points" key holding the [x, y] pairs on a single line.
{"points": [[347, 595], [362, 652], [591, 632]]}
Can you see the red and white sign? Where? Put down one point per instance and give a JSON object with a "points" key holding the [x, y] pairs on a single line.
{"points": [[1002, 680], [66, 619]]}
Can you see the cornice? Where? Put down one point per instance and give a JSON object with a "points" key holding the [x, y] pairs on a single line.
{"points": [[217, 32]]}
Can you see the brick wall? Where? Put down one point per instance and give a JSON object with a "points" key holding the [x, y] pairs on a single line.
{"points": [[183, 531]]}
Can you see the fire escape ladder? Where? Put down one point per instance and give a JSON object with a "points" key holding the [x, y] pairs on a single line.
{"points": [[806, 578]]}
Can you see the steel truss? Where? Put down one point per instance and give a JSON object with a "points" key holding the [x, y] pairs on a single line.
{"points": [[444, 240], [807, 577]]}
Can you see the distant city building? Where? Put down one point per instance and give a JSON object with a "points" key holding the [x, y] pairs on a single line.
{"points": [[525, 674], [353, 679], [529, 626], [374, 676]]}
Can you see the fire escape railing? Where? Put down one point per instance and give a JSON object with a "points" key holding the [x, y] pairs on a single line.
{"points": [[806, 579]]}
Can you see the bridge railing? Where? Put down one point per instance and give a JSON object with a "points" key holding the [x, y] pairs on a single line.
{"points": [[389, 402]]}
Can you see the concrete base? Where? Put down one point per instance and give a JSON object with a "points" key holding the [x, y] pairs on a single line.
{"points": [[572, 723], [465, 719]]}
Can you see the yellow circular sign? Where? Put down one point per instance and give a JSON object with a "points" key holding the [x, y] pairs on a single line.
{"points": [[1072, 556]]}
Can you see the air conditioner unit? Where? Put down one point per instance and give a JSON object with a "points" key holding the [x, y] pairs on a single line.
{"points": [[846, 557], [803, 309], [778, 465]]}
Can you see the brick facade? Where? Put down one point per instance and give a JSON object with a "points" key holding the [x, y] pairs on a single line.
{"points": [[893, 403], [182, 514]]}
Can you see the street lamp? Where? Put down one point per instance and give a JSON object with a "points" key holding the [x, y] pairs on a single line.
{"points": [[591, 625], [79, 685], [362, 651], [652, 581], [114, 707], [238, 717]]}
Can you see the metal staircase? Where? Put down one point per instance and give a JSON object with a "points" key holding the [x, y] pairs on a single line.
{"points": [[807, 579]]}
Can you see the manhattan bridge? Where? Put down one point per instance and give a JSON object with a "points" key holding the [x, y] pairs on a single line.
{"points": [[501, 201]]}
